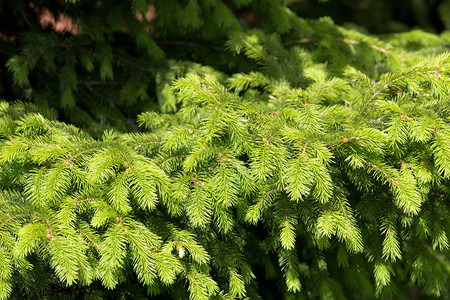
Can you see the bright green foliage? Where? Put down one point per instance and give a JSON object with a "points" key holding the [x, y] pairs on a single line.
{"points": [[323, 165], [225, 162]]}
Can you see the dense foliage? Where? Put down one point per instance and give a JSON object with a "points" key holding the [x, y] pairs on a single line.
{"points": [[275, 155]]}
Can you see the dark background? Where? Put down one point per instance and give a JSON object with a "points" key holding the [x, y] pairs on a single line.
{"points": [[97, 100], [381, 16]]}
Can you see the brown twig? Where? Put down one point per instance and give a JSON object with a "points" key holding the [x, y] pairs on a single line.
{"points": [[10, 218]]}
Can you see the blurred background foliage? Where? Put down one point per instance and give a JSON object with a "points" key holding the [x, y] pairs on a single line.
{"points": [[381, 16], [99, 63]]}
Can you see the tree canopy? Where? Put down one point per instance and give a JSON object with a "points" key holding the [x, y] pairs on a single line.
{"points": [[212, 149]]}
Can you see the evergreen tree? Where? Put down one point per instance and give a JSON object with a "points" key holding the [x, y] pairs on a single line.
{"points": [[280, 156]]}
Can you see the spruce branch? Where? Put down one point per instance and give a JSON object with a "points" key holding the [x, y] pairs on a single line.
{"points": [[10, 218], [392, 81], [171, 158], [248, 168], [73, 156], [344, 40]]}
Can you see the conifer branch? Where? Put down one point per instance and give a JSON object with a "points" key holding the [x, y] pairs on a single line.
{"points": [[171, 158], [72, 157], [285, 146], [78, 202], [94, 244], [10, 218], [389, 178], [146, 143], [348, 41], [266, 194], [385, 86], [384, 51]]}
